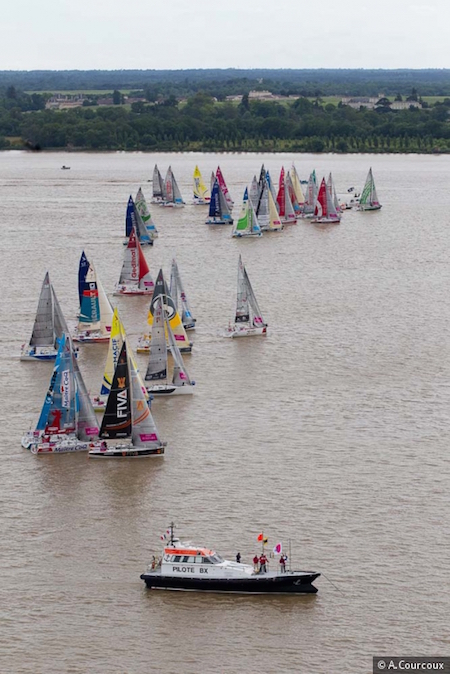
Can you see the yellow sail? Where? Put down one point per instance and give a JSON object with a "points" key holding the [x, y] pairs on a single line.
{"points": [[177, 328], [296, 184], [201, 192], [116, 341], [275, 222]]}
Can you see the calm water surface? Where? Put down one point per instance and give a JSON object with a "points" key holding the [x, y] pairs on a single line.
{"points": [[332, 432]]}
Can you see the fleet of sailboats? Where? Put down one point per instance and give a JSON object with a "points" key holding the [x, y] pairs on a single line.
{"points": [[68, 421]]}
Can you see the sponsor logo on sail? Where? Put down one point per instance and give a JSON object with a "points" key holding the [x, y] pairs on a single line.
{"points": [[65, 388], [122, 400]]}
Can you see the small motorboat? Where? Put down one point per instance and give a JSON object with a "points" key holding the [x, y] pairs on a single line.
{"points": [[65, 168], [184, 566]]}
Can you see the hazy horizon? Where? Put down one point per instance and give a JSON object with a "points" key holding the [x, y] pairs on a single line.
{"points": [[59, 35]]}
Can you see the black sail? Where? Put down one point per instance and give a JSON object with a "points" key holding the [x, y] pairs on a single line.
{"points": [[116, 421]]}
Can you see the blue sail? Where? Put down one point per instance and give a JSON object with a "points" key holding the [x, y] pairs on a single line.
{"points": [[41, 424], [128, 218], [90, 306], [58, 413], [214, 204], [82, 271]]}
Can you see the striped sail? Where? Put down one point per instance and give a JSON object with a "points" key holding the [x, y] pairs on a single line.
{"points": [[369, 197], [144, 212]]}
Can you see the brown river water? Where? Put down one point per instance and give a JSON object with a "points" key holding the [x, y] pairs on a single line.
{"points": [[331, 433]]}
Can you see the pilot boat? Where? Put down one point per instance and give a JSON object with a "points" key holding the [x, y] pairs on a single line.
{"points": [[184, 566]]}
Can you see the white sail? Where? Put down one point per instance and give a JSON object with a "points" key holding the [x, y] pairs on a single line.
{"points": [[157, 363], [263, 208], [144, 432], [254, 193], [158, 185], [180, 375], [178, 294], [106, 310]]}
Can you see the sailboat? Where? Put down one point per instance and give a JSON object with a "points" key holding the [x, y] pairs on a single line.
{"points": [[178, 295], [172, 194], [94, 322], [49, 325], [325, 210], [135, 277], [202, 196], [67, 422], [161, 290], [157, 369], [117, 338], [368, 201], [310, 197], [127, 416], [158, 186], [133, 219], [267, 213], [248, 320], [297, 186], [285, 207], [219, 211], [224, 188], [144, 212], [247, 224]]}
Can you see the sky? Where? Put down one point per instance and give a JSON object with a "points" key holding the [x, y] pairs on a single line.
{"points": [[178, 34]]}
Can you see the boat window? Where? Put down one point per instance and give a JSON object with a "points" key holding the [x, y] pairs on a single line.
{"points": [[206, 560], [216, 559], [185, 559], [198, 559], [177, 558]]}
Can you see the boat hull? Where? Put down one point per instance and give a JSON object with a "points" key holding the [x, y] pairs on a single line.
{"points": [[246, 332], [38, 356], [126, 452], [270, 583], [90, 339], [133, 291], [230, 221], [326, 221], [362, 207], [62, 447], [161, 391], [144, 347]]}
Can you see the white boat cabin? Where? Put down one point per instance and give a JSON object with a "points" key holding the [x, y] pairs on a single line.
{"points": [[202, 562]]}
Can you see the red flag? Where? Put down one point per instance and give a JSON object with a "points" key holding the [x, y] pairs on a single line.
{"points": [[260, 537]]}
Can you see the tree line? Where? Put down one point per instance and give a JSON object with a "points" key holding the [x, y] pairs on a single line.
{"points": [[202, 123]]}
